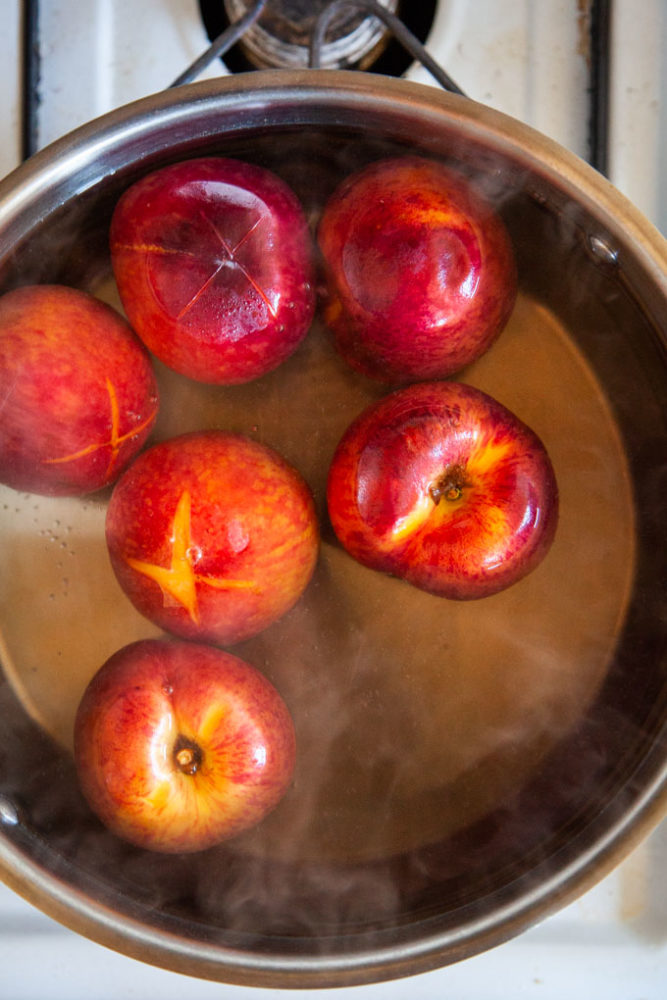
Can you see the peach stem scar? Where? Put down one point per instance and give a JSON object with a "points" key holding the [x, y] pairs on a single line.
{"points": [[187, 755], [449, 486]]}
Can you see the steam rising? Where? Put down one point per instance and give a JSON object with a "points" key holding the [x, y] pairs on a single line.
{"points": [[415, 717]]}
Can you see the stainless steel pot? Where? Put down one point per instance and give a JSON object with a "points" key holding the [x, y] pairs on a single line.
{"points": [[463, 771]]}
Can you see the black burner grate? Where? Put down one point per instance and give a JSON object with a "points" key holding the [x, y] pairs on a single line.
{"points": [[394, 60], [391, 60]]}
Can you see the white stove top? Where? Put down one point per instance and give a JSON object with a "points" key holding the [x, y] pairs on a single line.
{"points": [[529, 60], [611, 943]]}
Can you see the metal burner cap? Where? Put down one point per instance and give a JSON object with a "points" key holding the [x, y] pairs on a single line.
{"points": [[281, 36]]}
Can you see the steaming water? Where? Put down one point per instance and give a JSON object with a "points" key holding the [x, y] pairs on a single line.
{"points": [[414, 715]]}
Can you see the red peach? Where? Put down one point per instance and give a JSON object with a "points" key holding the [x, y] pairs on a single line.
{"points": [[420, 270], [179, 746], [79, 397], [212, 536], [212, 260], [443, 486]]}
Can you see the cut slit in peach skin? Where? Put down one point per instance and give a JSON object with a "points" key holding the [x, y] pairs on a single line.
{"points": [[115, 440], [212, 536], [212, 260], [79, 393], [178, 582]]}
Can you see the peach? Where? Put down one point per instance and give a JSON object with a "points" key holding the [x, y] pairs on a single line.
{"points": [[441, 485], [420, 270], [212, 259], [212, 536], [179, 746], [79, 396]]}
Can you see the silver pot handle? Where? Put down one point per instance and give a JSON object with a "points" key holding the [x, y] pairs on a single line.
{"points": [[221, 44]]}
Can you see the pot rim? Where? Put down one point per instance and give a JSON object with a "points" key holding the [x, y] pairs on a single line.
{"points": [[241, 102], [296, 92], [374, 962]]}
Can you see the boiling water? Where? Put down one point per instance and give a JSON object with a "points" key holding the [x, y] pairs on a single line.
{"points": [[415, 715]]}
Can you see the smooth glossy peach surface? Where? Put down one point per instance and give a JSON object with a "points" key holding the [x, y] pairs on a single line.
{"points": [[420, 270], [78, 393], [212, 259], [440, 484], [212, 535], [179, 746]]}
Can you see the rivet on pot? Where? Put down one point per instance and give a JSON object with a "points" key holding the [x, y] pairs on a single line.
{"points": [[9, 814], [600, 249]]}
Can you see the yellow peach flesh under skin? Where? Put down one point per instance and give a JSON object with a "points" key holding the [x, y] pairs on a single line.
{"points": [[210, 723], [115, 440], [178, 581], [430, 215]]}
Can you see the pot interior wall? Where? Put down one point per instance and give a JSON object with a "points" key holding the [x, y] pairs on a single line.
{"points": [[454, 757]]}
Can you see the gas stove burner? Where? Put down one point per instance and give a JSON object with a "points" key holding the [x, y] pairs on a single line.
{"points": [[281, 36]]}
